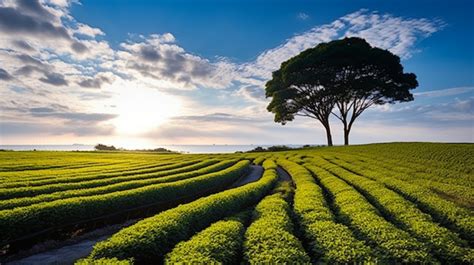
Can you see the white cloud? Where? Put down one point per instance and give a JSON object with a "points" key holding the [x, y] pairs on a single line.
{"points": [[88, 30], [445, 92], [302, 16], [397, 34]]}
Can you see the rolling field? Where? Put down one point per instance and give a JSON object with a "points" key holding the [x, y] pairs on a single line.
{"points": [[379, 203]]}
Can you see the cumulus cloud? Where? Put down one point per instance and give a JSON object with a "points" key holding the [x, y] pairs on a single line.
{"points": [[18, 119], [88, 30], [38, 27], [397, 34], [97, 81], [54, 79], [22, 45], [31, 18], [4, 75], [159, 57]]}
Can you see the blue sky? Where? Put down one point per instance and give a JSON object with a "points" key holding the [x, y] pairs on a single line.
{"points": [[146, 73]]}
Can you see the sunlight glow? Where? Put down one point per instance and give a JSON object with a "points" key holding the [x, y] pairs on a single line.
{"points": [[141, 110]]}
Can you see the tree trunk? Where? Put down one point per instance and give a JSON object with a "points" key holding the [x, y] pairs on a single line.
{"points": [[328, 132], [346, 133], [346, 136], [329, 136]]}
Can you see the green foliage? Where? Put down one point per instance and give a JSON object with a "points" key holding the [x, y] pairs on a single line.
{"points": [[99, 172], [259, 160], [211, 166], [378, 203], [23, 220], [285, 189], [99, 181], [346, 73], [393, 243], [329, 241], [446, 245], [103, 147], [219, 243], [270, 239], [150, 239], [442, 210]]}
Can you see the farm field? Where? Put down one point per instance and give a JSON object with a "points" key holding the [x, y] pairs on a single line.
{"points": [[377, 203]]}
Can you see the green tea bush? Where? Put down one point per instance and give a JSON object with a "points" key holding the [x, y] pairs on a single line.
{"points": [[150, 239], [220, 243], [394, 243], [329, 242], [270, 239], [20, 221]]}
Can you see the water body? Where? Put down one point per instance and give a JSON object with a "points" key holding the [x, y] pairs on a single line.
{"points": [[193, 149]]}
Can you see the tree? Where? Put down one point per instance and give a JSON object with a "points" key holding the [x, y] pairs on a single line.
{"points": [[347, 74], [301, 87], [103, 147], [365, 76]]}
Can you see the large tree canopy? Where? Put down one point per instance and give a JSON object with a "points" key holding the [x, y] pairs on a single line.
{"points": [[347, 74]]}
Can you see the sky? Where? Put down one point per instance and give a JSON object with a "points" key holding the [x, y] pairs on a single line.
{"points": [[148, 73]]}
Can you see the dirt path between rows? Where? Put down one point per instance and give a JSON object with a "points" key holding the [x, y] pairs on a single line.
{"points": [[80, 248], [283, 175], [254, 174]]}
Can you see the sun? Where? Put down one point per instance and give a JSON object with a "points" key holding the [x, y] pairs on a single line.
{"points": [[141, 110]]}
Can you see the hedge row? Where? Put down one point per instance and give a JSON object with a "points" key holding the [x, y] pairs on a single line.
{"points": [[21, 221], [74, 176], [220, 243], [447, 212], [127, 185], [329, 242], [150, 239], [446, 245], [394, 243], [270, 238], [10, 193]]}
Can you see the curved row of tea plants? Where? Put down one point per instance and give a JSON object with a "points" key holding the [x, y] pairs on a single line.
{"points": [[394, 243], [220, 243], [329, 242], [270, 237], [21, 221], [447, 212], [127, 185], [150, 239], [458, 190], [9, 193], [446, 245], [102, 174]]}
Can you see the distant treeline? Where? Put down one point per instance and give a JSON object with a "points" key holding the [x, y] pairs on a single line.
{"points": [[103, 147], [276, 148]]}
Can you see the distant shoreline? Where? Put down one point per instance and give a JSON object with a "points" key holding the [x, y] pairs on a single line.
{"points": [[218, 148]]}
